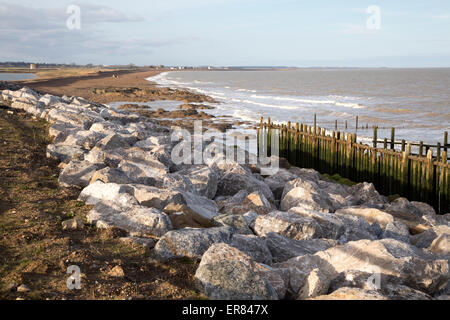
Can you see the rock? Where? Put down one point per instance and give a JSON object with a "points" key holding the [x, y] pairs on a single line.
{"points": [[23, 288], [370, 214], [356, 228], [390, 257], [108, 192], [155, 197], [259, 200], [145, 242], [376, 230], [137, 221], [337, 194], [110, 175], [189, 242], [331, 225], [425, 239], [316, 284], [60, 131], [401, 292], [72, 224], [397, 230], [237, 178], [283, 249], [50, 100], [441, 245], [255, 247], [256, 202], [305, 194], [150, 173], [117, 272], [111, 142], [424, 208], [277, 182], [203, 179], [239, 223], [287, 224], [64, 153], [77, 174], [401, 209], [226, 273], [366, 194], [197, 211], [352, 294], [85, 139], [72, 118]]}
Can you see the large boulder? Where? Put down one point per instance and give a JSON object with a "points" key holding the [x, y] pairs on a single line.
{"points": [[64, 153], [287, 224], [155, 197], [365, 194], [237, 178], [108, 192], [238, 222], [110, 175], [414, 267], [305, 194], [397, 230], [352, 294], [137, 221], [77, 174], [425, 239], [255, 247], [189, 242], [203, 179], [225, 273], [401, 209], [191, 210], [276, 182], [283, 249], [370, 214], [85, 139], [332, 226]]}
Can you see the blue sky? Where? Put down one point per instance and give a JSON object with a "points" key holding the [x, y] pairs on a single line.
{"points": [[229, 32]]}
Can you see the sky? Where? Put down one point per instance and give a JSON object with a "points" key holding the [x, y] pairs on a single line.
{"points": [[228, 32]]}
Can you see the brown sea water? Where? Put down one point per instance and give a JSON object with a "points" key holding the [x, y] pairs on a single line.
{"points": [[414, 101]]}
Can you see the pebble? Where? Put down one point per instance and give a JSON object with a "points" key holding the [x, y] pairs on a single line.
{"points": [[23, 288], [117, 271]]}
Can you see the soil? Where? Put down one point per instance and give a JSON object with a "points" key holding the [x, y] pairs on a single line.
{"points": [[36, 252]]}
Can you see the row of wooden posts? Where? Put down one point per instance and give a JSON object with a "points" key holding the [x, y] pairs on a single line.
{"points": [[418, 177]]}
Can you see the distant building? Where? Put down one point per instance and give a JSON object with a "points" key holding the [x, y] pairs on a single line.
{"points": [[33, 66]]}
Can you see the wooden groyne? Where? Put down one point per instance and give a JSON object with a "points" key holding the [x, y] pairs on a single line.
{"points": [[417, 176]]}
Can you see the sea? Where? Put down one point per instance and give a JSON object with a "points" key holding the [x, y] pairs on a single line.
{"points": [[414, 101]]}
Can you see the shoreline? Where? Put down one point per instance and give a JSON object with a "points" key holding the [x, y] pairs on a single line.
{"points": [[203, 213], [132, 86]]}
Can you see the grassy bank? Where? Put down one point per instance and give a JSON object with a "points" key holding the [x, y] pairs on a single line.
{"points": [[35, 251]]}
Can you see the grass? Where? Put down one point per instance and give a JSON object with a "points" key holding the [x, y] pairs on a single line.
{"points": [[337, 178]]}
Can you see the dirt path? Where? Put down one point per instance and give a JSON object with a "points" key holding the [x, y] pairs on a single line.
{"points": [[36, 252]]}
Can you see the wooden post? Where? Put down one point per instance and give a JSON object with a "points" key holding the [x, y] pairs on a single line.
{"points": [[385, 143], [438, 152], [335, 125], [392, 138], [315, 124], [357, 120], [403, 145], [405, 170], [375, 136], [420, 148], [445, 141], [346, 125]]}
